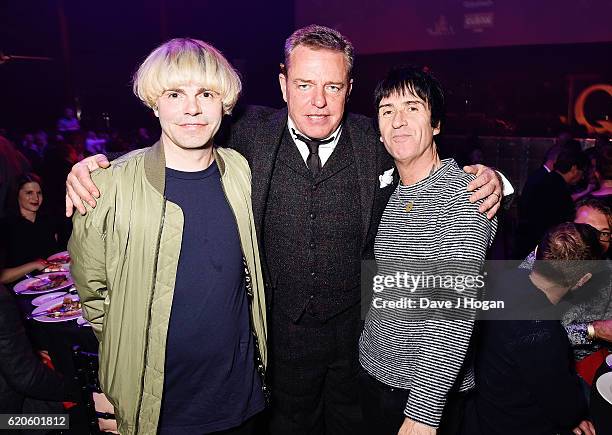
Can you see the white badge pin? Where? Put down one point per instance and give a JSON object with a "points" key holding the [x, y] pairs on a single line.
{"points": [[386, 178]]}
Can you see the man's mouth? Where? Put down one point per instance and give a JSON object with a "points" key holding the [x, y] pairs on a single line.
{"points": [[400, 137], [195, 124], [315, 117]]}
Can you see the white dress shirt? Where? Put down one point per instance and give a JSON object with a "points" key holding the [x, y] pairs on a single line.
{"points": [[325, 150]]}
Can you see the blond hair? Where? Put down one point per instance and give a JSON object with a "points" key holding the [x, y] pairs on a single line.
{"points": [[185, 60]]}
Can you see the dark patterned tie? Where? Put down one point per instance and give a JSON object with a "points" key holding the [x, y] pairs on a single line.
{"points": [[313, 161]]}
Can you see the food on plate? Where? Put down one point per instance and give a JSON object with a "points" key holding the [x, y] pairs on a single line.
{"points": [[67, 308], [54, 267], [48, 282], [60, 258]]}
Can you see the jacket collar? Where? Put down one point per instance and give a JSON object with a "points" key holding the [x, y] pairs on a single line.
{"points": [[364, 144], [155, 166], [268, 141]]}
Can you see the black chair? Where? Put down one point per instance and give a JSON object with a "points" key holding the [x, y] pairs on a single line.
{"points": [[86, 367]]}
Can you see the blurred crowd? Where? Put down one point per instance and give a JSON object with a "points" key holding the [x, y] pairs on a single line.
{"points": [[51, 153], [568, 176]]}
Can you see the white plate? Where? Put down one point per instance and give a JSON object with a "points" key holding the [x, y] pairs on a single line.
{"points": [[82, 322], [604, 386], [37, 302], [23, 287], [49, 305], [61, 257]]}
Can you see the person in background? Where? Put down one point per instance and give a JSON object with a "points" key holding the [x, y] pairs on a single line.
{"points": [[59, 158], [94, 144], [41, 139], [551, 202], [22, 372], [68, 122], [603, 173], [588, 320], [32, 151], [525, 380], [28, 237], [587, 317], [536, 177]]}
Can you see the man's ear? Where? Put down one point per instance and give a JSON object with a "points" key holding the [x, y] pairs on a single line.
{"points": [[436, 129], [582, 281], [350, 88], [282, 81]]}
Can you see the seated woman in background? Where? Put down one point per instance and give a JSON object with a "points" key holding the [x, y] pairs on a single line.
{"points": [[28, 237]]}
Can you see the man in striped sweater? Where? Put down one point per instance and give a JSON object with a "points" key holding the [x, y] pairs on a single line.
{"points": [[430, 248]]}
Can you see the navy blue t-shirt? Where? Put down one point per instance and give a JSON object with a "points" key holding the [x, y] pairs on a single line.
{"points": [[210, 381]]}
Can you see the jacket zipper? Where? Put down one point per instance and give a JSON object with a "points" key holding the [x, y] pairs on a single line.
{"points": [[150, 307], [249, 290]]}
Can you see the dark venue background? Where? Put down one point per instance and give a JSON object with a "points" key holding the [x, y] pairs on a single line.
{"points": [[512, 69], [97, 46]]}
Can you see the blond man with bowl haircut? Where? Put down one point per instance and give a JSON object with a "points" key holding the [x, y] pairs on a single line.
{"points": [[167, 264]]}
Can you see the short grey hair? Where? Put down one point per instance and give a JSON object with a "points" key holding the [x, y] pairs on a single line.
{"points": [[320, 38]]}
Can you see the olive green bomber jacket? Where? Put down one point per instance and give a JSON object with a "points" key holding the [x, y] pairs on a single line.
{"points": [[124, 260]]}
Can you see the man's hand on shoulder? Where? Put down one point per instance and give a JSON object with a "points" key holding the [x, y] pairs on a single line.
{"points": [[79, 186], [490, 188]]}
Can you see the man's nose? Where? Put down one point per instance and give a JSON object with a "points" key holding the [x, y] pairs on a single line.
{"points": [[399, 119], [318, 99], [192, 106]]}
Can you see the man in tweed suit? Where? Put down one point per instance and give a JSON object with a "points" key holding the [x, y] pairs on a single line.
{"points": [[317, 200]]}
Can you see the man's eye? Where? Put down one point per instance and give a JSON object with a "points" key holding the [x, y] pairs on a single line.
{"points": [[173, 94], [303, 86], [413, 108], [208, 94], [386, 113], [333, 88]]}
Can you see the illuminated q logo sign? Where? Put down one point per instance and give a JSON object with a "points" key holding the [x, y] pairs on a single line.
{"points": [[602, 126]]}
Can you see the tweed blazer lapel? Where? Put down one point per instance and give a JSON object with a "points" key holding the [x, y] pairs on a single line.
{"points": [[339, 159], [289, 155], [267, 140], [364, 149]]}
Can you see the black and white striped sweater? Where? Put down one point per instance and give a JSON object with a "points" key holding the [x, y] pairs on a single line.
{"points": [[422, 349]]}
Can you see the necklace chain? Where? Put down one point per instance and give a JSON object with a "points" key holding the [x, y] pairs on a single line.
{"points": [[408, 206]]}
